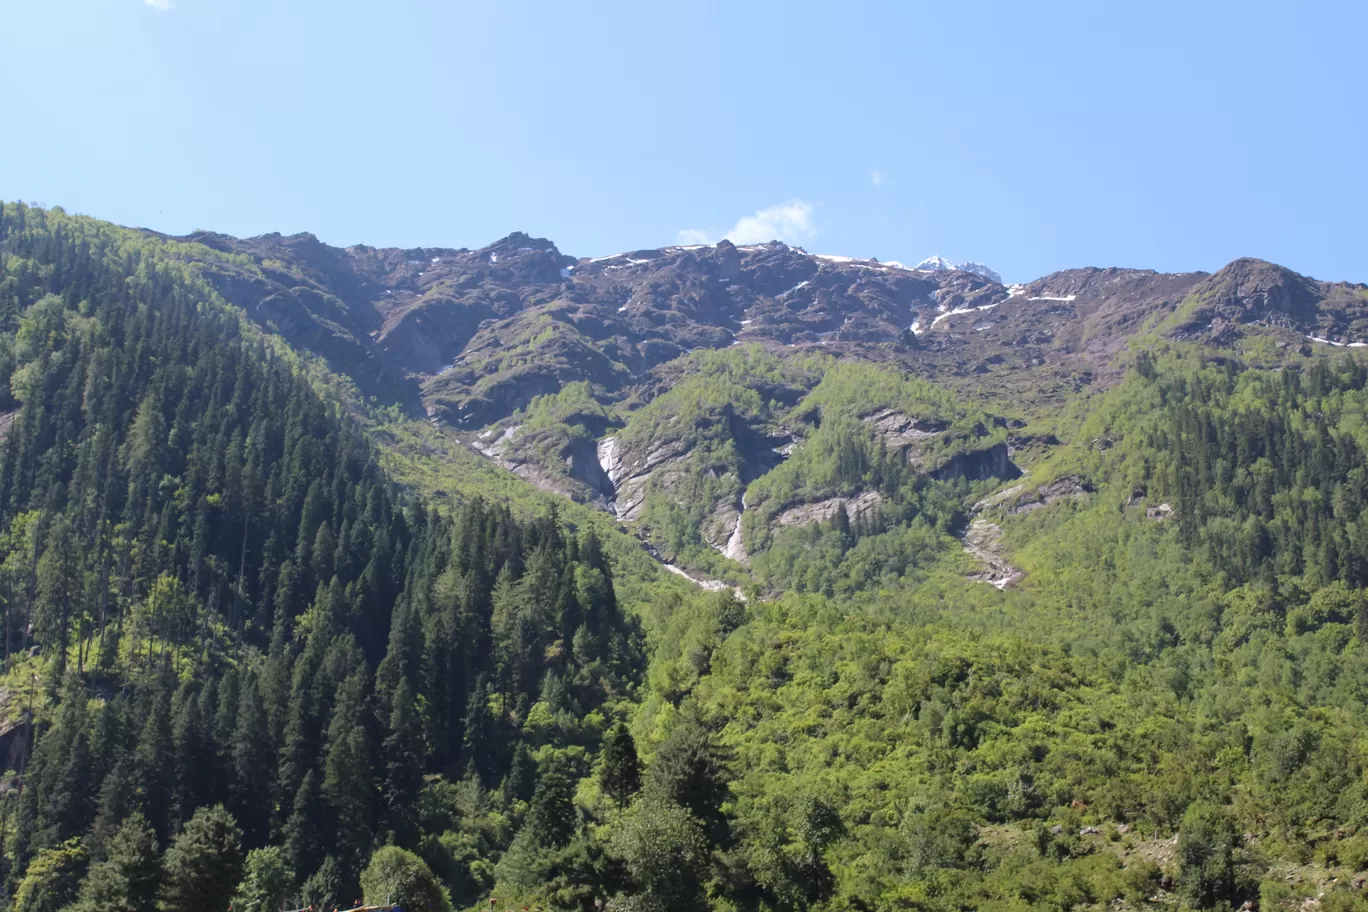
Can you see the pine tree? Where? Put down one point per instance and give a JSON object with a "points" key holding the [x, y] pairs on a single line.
{"points": [[300, 835], [59, 591], [689, 770], [403, 758], [129, 877], [348, 789], [551, 818], [154, 766], [194, 754], [620, 772], [521, 782], [326, 888], [204, 864], [251, 758], [479, 734]]}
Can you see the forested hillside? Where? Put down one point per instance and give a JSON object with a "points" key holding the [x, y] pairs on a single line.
{"points": [[241, 643], [273, 637]]}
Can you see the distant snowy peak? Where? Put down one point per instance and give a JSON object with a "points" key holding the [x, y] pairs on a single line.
{"points": [[935, 264], [980, 269], [941, 264]]}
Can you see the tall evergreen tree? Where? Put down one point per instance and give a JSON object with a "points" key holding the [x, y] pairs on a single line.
{"points": [[690, 771], [129, 878], [403, 758], [620, 772], [204, 864]]}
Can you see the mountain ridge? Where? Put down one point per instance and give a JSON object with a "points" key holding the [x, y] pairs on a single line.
{"points": [[408, 322]]}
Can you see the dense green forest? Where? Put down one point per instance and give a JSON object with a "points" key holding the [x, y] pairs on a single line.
{"points": [[244, 666]]}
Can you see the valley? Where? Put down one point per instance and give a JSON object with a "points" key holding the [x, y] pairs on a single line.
{"points": [[702, 577]]}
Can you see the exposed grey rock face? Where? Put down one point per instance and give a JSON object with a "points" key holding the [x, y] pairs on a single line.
{"points": [[824, 510], [980, 465], [630, 472], [1022, 498], [900, 430], [735, 547]]}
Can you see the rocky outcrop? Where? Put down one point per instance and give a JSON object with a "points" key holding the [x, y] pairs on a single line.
{"points": [[1254, 291], [630, 472], [823, 510], [899, 430], [1021, 499], [15, 733], [979, 465], [579, 476], [582, 462], [735, 548]]}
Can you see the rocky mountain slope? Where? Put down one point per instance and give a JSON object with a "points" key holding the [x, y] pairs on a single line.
{"points": [[474, 335], [663, 385]]}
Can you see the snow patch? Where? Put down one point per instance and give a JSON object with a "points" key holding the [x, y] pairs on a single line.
{"points": [[962, 310], [1065, 298], [1338, 344], [941, 264], [935, 264], [980, 270]]}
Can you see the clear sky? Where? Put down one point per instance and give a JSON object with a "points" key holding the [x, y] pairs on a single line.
{"points": [[1028, 136]]}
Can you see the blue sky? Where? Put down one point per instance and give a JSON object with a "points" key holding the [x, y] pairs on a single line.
{"points": [[1028, 136]]}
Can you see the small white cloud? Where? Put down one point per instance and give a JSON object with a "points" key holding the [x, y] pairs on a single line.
{"points": [[791, 222], [878, 177], [162, 5], [691, 236]]}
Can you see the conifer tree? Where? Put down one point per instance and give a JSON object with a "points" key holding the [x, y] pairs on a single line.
{"points": [[620, 772], [403, 759], [551, 818], [251, 757], [300, 833], [347, 786], [129, 877], [521, 782], [204, 863], [690, 771]]}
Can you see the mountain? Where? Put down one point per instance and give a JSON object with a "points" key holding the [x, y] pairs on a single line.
{"points": [[572, 373], [941, 264], [706, 577]]}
